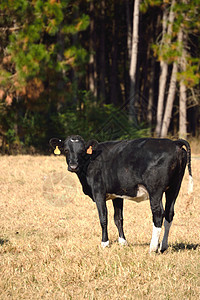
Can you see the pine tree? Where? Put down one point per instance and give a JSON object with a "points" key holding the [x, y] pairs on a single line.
{"points": [[40, 47]]}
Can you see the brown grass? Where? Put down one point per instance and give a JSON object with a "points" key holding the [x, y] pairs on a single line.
{"points": [[50, 237]]}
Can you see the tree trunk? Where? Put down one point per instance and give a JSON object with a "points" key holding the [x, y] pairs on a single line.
{"points": [[170, 101], [167, 28], [151, 79], [92, 63], [102, 92], [133, 64], [114, 89], [183, 92], [151, 93], [161, 96], [182, 111], [127, 53], [60, 56], [74, 78], [128, 26]]}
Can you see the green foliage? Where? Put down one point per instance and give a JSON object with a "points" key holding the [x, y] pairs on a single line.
{"points": [[190, 76], [45, 66], [45, 35], [93, 120], [42, 51], [28, 61], [170, 50], [4, 77], [75, 55], [79, 24], [146, 3], [10, 136]]}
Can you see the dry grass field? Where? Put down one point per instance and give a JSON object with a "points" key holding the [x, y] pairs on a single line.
{"points": [[50, 240]]}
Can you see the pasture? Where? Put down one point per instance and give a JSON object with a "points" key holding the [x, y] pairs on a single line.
{"points": [[50, 239]]}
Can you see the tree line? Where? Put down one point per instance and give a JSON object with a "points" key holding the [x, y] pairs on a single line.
{"points": [[103, 69]]}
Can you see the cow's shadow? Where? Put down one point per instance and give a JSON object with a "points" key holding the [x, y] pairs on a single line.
{"points": [[3, 241], [184, 246], [177, 247]]}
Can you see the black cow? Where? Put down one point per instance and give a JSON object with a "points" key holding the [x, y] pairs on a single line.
{"points": [[137, 170]]}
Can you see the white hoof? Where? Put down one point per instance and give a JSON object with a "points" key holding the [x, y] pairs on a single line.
{"points": [[122, 241], [104, 244], [153, 248], [155, 239]]}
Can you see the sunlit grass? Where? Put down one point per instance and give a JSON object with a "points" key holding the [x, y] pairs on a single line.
{"points": [[50, 249]]}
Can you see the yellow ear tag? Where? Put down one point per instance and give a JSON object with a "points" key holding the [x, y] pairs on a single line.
{"points": [[89, 150], [57, 151]]}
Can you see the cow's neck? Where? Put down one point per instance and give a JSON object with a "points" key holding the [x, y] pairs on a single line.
{"points": [[82, 175]]}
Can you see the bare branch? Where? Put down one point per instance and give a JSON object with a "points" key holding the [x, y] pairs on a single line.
{"points": [[10, 28]]}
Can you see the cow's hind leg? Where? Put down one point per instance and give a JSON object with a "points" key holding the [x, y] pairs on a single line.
{"points": [[171, 195], [158, 214], [118, 218]]}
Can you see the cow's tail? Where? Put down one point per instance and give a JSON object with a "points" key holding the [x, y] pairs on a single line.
{"points": [[182, 143]]}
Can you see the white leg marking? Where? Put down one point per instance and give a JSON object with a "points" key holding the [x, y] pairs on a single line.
{"points": [[164, 243], [155, 239], [190, 185], [104, 244], [122, 241]]}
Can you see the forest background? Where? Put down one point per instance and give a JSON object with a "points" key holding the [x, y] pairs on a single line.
{"points": [[103, 69]]}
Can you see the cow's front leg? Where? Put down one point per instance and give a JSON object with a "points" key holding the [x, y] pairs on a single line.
{"points": [[118, 218], [158, 214], [103, 217]]}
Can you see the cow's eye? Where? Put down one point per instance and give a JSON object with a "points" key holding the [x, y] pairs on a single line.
{"points": [[66, 151]]}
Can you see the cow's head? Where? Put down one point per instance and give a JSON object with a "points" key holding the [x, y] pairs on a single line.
{"points": [[75, 149]]}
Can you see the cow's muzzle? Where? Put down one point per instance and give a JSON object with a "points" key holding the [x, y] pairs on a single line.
{"points": [[73, 168]]}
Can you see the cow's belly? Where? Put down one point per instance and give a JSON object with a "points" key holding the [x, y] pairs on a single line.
{"points": [[141, 195]]}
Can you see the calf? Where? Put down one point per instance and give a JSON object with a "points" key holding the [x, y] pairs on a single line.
{"points": [[137, 170]]}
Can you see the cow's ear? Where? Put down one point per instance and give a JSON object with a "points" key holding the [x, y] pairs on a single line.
{"points": [[91, 146], [57, 145]]}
